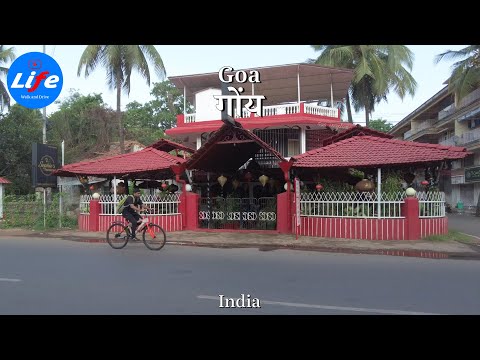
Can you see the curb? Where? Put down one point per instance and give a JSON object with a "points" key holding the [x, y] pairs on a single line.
{"points": [[426, 254], [429, 254]]}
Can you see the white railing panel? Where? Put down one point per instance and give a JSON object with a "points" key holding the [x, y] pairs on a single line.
{"points": [[431, 204], [85, 204], [321, 110], [351, 205], [189, 118]]}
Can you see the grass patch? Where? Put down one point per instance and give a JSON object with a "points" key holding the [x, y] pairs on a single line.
{"points": [[452, 235]]}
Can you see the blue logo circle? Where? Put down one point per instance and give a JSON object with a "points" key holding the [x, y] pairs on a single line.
{"points": [[35, 80]]}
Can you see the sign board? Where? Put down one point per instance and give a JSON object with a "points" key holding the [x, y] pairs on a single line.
{"points": [[44, 162], [297, 201], [472, 174]]}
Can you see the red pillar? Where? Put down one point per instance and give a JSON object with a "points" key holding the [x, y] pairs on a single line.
{"points": [[283, 214], [180, 120], [302, 108], [410, 211], [191, 211], [94, 218], [285, 166]]}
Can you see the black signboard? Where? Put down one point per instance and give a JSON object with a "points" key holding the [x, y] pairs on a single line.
{"points": [[472, 174], [44, 162]]}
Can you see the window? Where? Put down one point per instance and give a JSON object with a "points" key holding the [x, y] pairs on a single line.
{"points": [[293, 147]]}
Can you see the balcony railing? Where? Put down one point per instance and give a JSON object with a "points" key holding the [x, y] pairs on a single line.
{"points": [[452, 141], [474, 95], [470, 136], [450, 109], [420, 127], [285, 109]]}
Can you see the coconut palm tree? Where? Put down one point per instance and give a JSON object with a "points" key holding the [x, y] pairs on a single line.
{"points": [[378, 69], [465, 73], [119, 61], [6, 55]]}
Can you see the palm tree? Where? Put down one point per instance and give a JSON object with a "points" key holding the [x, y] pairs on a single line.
{"points": [[119, 61], [5, 55], [378, 69], [465, 73]]}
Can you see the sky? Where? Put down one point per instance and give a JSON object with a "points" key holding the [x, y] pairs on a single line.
{"points": [[195, 59]]}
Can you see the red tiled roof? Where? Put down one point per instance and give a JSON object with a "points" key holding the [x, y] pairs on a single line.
{"points": [[355, 131], [221, 154], [372, 151], [4, 181], [136, 163], [168, 145]]}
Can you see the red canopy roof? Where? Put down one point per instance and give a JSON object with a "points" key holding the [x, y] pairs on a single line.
{"points": [[147, 162], [354, 131], [228, 149], [168, 145], [372, 151], [4, 181]]}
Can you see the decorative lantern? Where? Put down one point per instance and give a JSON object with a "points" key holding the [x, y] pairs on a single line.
{"points": [[365, 185], [188, 187], [222, 180], [410, 192], [235, 184], [319, 187], [92, 187], [248, 176], [425, 182], [263, 180], [164, 186], [96, 196], [83, 179]]}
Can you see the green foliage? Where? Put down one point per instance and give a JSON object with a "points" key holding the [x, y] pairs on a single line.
{"points": [[380, 125], [27, 212], [334, 185], [465, 75], [378, 69], [119, 62], [146, 123], [391, 184], [19, 128], [85, 123]]}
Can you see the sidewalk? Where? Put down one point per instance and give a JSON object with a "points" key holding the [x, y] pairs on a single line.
{"points": [[266, 242]]}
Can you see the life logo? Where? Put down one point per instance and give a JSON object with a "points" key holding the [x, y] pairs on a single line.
{"points": [[35, 80]]}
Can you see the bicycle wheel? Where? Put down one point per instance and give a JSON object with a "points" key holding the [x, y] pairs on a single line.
{"points": [[154, 237], [117, 235]]}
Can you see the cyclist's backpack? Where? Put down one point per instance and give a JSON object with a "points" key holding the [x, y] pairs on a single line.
{"points": [[121, 203]]}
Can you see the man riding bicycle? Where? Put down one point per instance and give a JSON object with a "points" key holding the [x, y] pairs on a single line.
{"points": [[132, 205]]}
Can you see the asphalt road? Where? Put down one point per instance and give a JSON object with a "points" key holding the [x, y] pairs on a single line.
{"points": [[466, 224], [49, 276]]}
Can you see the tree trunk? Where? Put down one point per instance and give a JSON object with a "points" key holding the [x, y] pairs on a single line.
{"points": [[119, 116], [349, 109], [366, 118]]}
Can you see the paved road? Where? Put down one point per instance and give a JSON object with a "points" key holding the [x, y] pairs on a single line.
{"points": [[467, 224], [49, 276]]}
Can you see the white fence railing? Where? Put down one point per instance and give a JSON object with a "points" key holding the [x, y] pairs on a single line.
{"points": [[285, 109], [351, 205], [85, 204], [160, 205], [189, 118], [431, 204], [366, 205], [281, 110], [321, 110]]}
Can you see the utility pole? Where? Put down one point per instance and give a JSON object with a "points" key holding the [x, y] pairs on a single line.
{"points": [[44, 111]]}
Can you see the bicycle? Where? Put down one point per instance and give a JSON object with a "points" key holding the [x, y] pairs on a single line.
{"points": [[153, 236]]}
